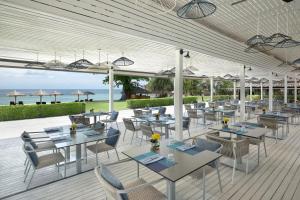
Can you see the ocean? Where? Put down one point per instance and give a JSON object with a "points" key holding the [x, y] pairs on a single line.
{"points": [[100, 94]]}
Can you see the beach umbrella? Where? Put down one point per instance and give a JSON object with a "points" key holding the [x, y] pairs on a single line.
{"points": [[40, 93], [87, 93], [55, 93], [15, 94], [78, 93]]}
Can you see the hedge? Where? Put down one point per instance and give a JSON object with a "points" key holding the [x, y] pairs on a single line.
{"points": [[19, 112], [154, 102]]}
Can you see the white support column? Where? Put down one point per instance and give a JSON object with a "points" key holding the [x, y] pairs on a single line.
{"points": [[234, 89], [211, 88], [271, 92], [295, 90], [250, 91], [285, 89], [261, 91], [242, 95], [178, 92], [111, 89]]}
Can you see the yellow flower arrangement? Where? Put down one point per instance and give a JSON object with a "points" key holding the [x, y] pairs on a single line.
{"points": [[73, 126], [155, 136], [226, 120]]}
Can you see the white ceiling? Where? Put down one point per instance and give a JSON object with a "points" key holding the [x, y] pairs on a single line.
{"points": [[68, 27]]}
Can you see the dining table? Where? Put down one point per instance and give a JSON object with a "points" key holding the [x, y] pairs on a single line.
{"points": [[62, 137], [174, 165]]}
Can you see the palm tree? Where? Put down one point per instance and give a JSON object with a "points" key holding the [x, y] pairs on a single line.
{"points": [[160, 86]]}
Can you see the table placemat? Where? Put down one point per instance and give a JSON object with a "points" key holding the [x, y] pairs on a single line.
{"points": [[192, 151]]}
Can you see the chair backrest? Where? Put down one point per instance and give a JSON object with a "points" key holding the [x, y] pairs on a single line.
{"points": [[192, 113], [162, 110], [110, 183], [242, 145], [268, 122], [114, 115], [212, 104], [113, 137], [199, 105], [211, 116], [137, 113], [31, 154], [79, 119], [99, 127], [146, 129], [129, 124], [187, 106], [186, 122]]}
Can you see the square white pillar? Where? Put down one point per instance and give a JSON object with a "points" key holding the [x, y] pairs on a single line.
{"points": [[271, 92], [111, 89], [211, 88], [178, 92], [261, 91], [234, 89], [250, 91], [285, 89], [295, 90], [242, 95]]}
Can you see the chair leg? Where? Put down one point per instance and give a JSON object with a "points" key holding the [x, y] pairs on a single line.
{"points": [[30, 179], [233, 171], [124, 134], [203, 182], [117, 125], [27, 164], [107, 154], [85, 152], [65, 172], [26, 174], [219, 177], [265, 148], [247, 163], [117, 154], [258, 153], [132, 137], [189, 132]]}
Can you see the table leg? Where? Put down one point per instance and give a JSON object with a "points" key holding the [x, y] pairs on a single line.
{"points": [[68, 154], [167, 131], [78, 158], [171, 190], [203, 177], [95, 119]]}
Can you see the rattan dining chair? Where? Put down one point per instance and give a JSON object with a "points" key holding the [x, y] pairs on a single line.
{"points": [[211, 117], [110, 143], [270, 123], [129, 126], [137, 113], [162, 110], [79, 119], [138, 189], [232, 148], [193, 114], [111, 118], [186, 121], [146, 130], [42, 161]]}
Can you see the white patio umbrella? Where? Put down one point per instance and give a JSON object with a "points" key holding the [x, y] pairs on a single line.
{"points": [[40, 93], [55, 94], [78, 93], [15, 94]]}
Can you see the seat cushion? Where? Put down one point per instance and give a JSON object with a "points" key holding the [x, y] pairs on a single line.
{"points": [[113, 136], [50, 159], [144, 193], [100, 147], [41, 146], [114, 115], [110, 178]]}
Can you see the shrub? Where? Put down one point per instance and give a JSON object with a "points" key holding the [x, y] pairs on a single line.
{"points": [[19, 112], [154, 102]]}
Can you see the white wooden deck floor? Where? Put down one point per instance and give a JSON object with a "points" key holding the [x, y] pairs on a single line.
{"points": [[277, 177]]}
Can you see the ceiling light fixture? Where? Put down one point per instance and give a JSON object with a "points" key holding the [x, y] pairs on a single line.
{"points": [[196, 9]]}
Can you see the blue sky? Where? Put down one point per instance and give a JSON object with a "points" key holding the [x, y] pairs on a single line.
{"points": [[40, 79]]}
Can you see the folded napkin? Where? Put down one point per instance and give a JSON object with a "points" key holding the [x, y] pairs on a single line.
{"points": [[151, 159], [53, 129], [185, 147]]}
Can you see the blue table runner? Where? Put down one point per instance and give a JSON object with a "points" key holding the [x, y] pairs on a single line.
{"points": [[192, 151]]}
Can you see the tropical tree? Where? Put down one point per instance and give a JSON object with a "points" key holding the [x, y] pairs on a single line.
{"points": [[195, 87], [224, 87], [160, 86], [128, 83]]}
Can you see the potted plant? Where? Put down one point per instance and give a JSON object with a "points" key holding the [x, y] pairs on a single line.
{"points": [[73, 128], [225, 122]]}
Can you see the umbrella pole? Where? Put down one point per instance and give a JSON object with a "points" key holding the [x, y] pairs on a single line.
{"points": [[78, 97], [87, 97], [55, 98], [41, 99], [15, 99]]}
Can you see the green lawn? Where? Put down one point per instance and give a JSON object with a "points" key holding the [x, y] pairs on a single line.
{"points": [[103, 106]]}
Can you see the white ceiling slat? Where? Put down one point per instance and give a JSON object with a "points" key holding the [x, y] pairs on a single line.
{"points": [[229, 48], [118, 24]]}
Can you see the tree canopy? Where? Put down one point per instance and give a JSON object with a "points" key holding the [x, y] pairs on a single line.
{"points": [[161, 86]]}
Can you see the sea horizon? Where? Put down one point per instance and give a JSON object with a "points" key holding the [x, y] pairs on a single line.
{"points": [[100, 95]]}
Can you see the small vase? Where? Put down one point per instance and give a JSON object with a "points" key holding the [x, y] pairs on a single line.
{"points": [[72, 131], [155, 146]]}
